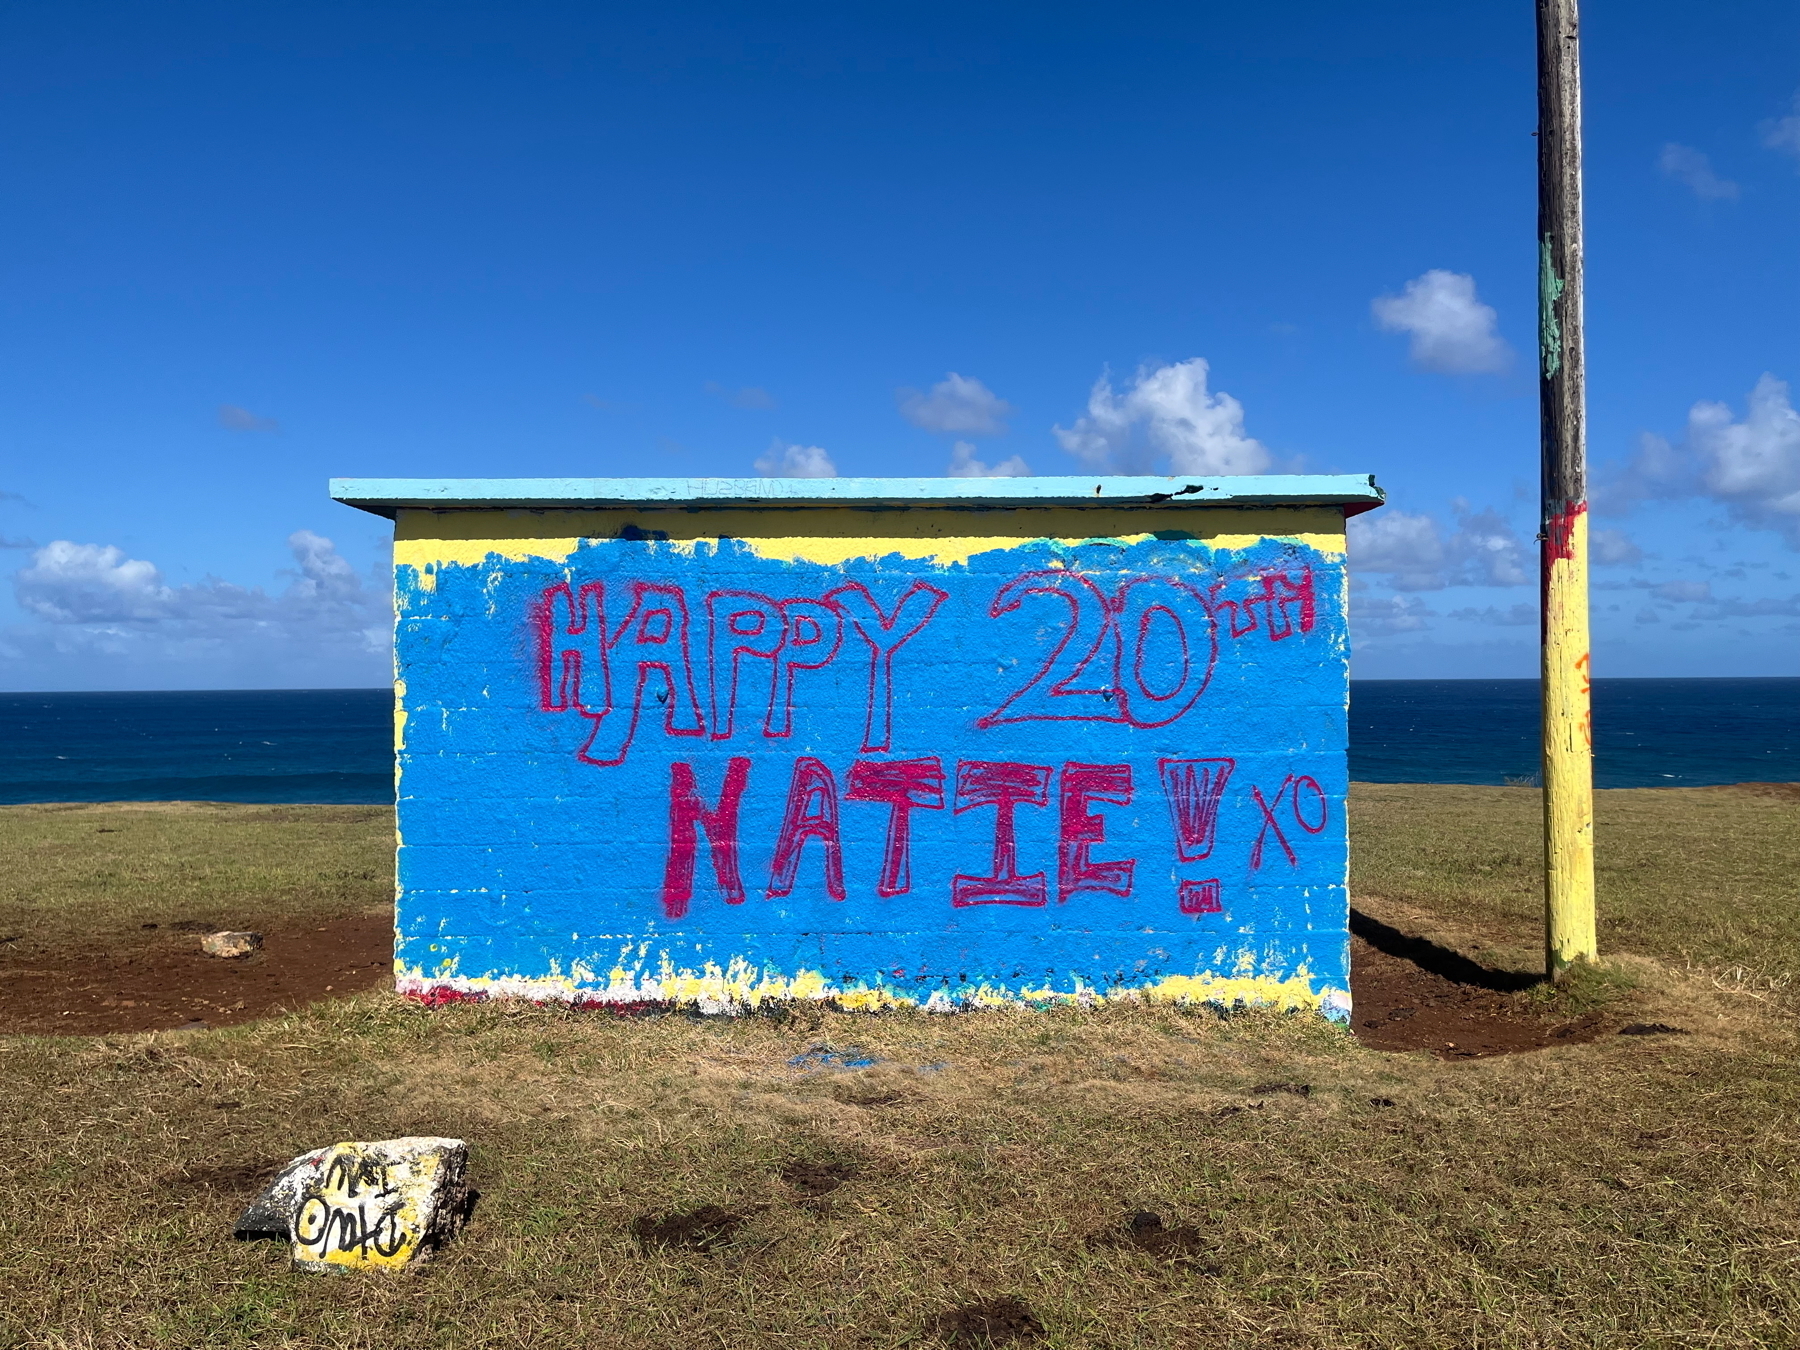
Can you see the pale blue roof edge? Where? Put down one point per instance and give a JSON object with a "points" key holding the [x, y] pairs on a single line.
{"points": [[1355, 492]]}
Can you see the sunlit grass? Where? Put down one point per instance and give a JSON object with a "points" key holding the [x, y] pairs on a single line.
{"points": [[1633, 1192]]}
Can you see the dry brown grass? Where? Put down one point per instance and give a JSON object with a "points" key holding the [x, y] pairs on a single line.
{"points": [[1635, 1192]]}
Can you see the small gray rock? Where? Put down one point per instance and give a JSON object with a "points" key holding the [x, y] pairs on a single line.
{"points": [[230, 944]]}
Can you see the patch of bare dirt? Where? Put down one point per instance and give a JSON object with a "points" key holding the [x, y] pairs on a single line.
{"points": [[162, 981], [1145, 1231], [817, 1178], [999, 1321], [700, 1230], [1411, 994]]}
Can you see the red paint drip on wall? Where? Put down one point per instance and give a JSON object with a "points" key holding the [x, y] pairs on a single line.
{"points": [[442, 995]]}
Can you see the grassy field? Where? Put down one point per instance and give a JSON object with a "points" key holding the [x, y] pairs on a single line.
{"points": [[72, 873], [1702, 877], [1635, 1192]]}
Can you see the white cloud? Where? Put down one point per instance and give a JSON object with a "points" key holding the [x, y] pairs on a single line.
{"points": [[70, 583], [956, 405], [963, 464], [90, 583], [1783, 133], [1384, 616], [1514, 616], [1656, 471], [1415, 555], [326, 576], [1451, 330], [1751, 467], [1613, 548], [1681, 592], [1762, 607], [1407, 548], [234, 418], [1488, 551], [1167, 412], [110, 620], [1693, 170], [795, 461]]}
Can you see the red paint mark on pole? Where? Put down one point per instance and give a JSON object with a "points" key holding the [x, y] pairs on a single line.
{"points": [[1559, 532]]}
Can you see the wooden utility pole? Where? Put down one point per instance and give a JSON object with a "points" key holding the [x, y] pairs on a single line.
{"points": [[1563, 536]]}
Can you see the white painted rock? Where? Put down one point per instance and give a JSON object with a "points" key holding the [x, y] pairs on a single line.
{"points": [[230, 944], [376, 1205], [271, 1214], [391, 1202]]}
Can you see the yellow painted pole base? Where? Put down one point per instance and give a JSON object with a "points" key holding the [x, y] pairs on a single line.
{"points": [[1568, 748]]}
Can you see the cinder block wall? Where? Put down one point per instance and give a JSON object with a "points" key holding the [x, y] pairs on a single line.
{"points": [[900, 756]]}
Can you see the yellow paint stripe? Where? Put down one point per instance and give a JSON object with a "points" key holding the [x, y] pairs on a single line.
{"points": [[739, 986], [424, 539]]}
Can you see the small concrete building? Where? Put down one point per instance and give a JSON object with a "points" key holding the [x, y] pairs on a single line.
{"points": [[880, 741]]}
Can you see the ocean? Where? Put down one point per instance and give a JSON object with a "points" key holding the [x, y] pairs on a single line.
{"points": [[234, 745], [1647, 733], [336, 745]]}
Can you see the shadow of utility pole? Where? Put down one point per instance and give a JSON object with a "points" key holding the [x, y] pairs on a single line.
{"points": [[1441, 961]]}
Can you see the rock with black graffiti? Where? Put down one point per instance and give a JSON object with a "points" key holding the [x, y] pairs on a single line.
{"points": [[379, 1205]]}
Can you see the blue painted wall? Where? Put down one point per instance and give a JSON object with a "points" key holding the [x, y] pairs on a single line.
{"points": [[1158, 724]]}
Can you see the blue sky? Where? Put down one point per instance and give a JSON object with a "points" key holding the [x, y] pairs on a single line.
{"points": [[244, 248]]}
